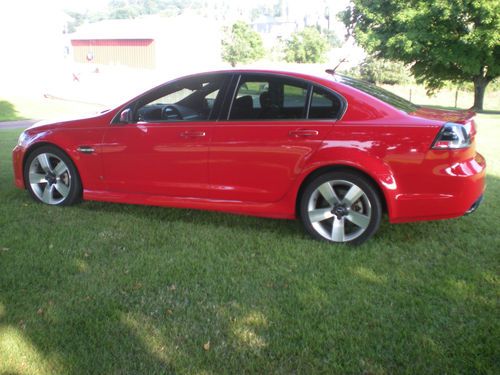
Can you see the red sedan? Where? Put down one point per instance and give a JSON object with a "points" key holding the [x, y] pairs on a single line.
{"points": [[331, 150]]}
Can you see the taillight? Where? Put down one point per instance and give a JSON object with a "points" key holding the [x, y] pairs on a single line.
{"points": [[452, 136]]}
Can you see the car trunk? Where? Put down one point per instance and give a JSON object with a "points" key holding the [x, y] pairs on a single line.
{"points": [[458, 116]]}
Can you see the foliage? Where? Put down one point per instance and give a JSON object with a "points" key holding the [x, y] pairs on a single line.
{"points": [[123, 13], [268, 10], [495, 84], [333, 40], [125, 9], [443, 40], [104, 288], [119, 9], [8, 112], [351, 72], [382, 71], [306, 46], [77, 18], [242, 44]]}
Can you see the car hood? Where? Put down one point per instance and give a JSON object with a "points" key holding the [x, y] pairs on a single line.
{"points": [[458, 116], [68, 122]]}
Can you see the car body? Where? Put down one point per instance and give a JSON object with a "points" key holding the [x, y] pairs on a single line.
{"points": [[252, 141]]}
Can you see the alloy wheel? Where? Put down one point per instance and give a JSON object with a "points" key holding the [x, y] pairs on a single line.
{"points": [[49, 178], [339, 210]]}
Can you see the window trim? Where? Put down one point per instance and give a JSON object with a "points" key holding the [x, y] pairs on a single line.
{"points": [[214, 115], [233, 96], [343, 102], [310, 90], [233, 91]]}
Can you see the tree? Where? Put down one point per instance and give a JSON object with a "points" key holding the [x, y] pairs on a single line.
{"points": [[306, 46], [442, 40], [382, 71], [242, 45], [332, 38]]}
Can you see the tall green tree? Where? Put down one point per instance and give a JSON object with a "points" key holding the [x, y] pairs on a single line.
{"points": [[242, 45], [306, 46], [442, 40]]}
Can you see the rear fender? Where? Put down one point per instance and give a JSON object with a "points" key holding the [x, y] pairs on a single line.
{"points": [[328, 158]]}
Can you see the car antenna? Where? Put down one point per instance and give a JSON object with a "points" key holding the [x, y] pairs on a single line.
{"points": [[332, 71]]}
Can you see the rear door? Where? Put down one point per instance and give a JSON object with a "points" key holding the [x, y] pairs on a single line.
{"points": [[261, 146]]}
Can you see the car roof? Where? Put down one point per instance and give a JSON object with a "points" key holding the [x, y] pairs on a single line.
{"points": [[352, 95], [297, 73]]}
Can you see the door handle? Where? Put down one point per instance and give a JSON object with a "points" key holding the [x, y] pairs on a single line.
{"points": [[303, 133], [192, 134]]}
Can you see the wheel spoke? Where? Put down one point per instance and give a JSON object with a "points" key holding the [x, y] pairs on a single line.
{"points": [[47, 194], [43, 159], [320, 214], [62, 188], [60, 169], [36, 178], [352, 195], [360, 220], [326, 190], [338, 229]]}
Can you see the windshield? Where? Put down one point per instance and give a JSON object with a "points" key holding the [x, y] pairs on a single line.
{"points": [[379, 93]]}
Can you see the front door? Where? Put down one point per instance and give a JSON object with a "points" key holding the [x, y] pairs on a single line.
{"points": [[164, 149]]}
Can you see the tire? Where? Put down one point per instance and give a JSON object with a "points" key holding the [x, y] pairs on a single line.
{"points": [[341, 207], [51, 177]]}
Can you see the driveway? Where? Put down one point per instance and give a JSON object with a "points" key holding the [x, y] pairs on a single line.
{"points": [[22, 124]]}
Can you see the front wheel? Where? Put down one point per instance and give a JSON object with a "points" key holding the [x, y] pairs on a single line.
{"points": [[51, 177], [341, 207]]}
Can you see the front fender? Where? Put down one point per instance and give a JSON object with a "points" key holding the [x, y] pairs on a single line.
{"points": [[88, 165]]}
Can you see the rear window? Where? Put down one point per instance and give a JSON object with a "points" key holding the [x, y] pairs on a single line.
{"points": [[379, 93]]}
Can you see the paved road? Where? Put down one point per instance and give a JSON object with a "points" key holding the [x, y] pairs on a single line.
{"points": [[16, 124]]}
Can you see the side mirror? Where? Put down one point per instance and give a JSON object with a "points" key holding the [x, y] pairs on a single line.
{"points": [[126, 116]]}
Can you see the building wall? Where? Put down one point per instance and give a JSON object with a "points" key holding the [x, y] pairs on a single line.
{"points": [[134, 53]]}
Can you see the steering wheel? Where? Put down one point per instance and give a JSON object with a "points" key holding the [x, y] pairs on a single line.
{"points": [[170, 112]]}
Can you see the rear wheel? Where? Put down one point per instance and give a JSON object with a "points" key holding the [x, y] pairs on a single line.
{"points": [[51, 177], [341, 207]]}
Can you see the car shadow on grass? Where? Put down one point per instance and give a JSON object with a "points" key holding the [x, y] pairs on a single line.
{"points": [[199, 217]]}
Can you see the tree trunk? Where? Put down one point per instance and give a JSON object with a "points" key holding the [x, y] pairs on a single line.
{"points": [[480, 84]]}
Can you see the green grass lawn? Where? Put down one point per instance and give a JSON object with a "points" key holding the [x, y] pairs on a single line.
{"points": [[40, 108], [117, 289], [446, 97], [8, 111]]}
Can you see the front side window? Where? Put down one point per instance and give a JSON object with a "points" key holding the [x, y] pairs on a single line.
{"points": [[191, 99], [269, 98]]}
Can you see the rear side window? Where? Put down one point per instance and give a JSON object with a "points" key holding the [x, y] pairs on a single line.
{"points": [[379, 93], [324, 105], [269, 98]]}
